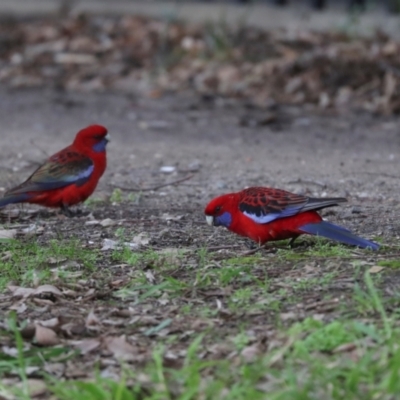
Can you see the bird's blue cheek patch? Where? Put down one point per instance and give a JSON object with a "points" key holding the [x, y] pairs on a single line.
{"points": [[224, 219], [100, 146]]}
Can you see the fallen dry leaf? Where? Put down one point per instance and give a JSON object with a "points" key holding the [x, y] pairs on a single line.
{"points": [[51, 323], [345, 348], [47, 289], [19, 307], [7, 255], [141, 240], [36, 387], [8, 233], [18, 291], [28, 332], [91, 320], [56, 260], [109, 244], [120, 348], [107, 222], [87, 345], [250, 353], [45, 336], [375, 269], [331, 70], [150, 276], [32, 229]]}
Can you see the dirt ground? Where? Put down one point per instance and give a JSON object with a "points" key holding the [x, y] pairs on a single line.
{"points": [[219, 146], [225, 145]]}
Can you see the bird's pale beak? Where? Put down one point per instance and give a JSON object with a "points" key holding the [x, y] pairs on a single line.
{"points": [[210, 220], [107, 137]]}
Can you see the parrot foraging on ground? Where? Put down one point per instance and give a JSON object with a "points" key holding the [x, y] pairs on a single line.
{"points": [[67, 177], [266, 214]]}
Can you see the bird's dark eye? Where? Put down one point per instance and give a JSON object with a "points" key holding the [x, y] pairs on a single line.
{"points": [[218, 209], [98, 137]]}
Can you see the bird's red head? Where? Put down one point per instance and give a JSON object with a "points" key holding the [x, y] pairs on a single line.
{"points": [[219, 211], [94, 137]]}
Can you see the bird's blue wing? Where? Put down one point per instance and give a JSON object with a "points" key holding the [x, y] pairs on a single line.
{"points": [[59, 171]]}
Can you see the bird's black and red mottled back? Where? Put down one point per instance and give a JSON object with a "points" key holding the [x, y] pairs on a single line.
{"points": [[261, 202]]}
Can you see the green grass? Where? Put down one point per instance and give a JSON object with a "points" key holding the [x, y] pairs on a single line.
{"points": [[93, 201], [100, 389], [27, 261], [140, 292], [320, 248], [25, 359], [118, 196], [226, 334], [148, 258], [243, 261], [324, 337], [301, 369], [306, 365], [389, 263], [309, 283]]}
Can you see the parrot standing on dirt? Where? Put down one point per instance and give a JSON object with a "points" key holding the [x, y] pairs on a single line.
{"points": [[67, 177], [267, 214]]}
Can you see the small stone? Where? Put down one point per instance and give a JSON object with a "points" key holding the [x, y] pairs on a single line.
{"points": [[167, 169], [221, 185], [194, 166]]}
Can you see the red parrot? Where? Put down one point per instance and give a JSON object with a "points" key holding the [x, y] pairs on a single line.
{"points": [[267, 214], [67, 177]]}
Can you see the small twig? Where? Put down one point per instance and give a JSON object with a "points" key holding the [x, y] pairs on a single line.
{"points": [[259, 248], [226, 247], [154, 187], [141, 220], [191, 184], [44, 152], [379, 174]]}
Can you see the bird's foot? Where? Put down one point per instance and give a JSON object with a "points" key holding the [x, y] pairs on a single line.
{"points": [[250, 244], [70, 214], [291, 243], [303, 244]]}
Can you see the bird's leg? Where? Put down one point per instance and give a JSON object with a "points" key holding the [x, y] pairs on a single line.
{"points": [[78, 212], [301, 244], [66, 211], [250, 244], [292, 241]]}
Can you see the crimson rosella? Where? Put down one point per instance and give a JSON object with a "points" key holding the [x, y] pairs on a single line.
{"points": [[67, 177], [267, 214]]}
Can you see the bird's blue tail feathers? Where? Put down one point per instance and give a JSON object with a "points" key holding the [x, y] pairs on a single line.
{"points": [[334, 232], [18, 198]]}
